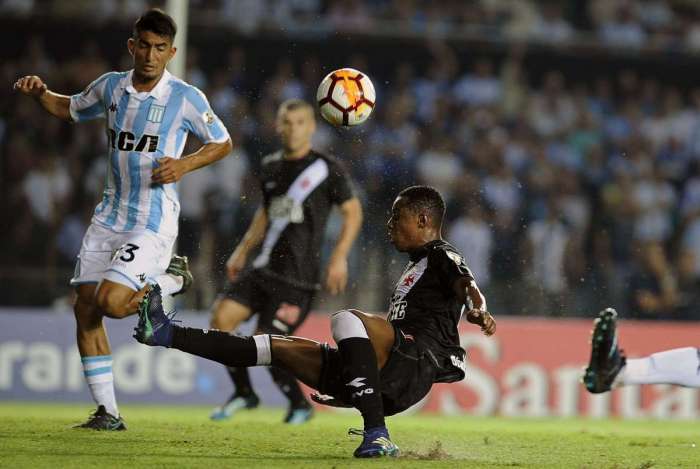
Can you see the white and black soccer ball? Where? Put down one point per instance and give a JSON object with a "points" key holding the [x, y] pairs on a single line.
{"points": [[345, 97]]}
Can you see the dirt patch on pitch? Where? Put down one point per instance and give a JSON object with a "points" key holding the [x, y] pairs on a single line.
{"points": [[436, 451]]}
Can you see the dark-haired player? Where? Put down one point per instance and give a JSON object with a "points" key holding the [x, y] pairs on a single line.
{"points": [[381, 366], [299, 187], [148, 114]]}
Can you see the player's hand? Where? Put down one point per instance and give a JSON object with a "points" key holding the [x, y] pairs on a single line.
{"points": [[235, 265], [483, 319], [31, 85], [169, 170], [337, 277]]}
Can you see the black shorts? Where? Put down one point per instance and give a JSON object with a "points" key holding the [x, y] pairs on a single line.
{"points": [[280, 307], [405, 379]]}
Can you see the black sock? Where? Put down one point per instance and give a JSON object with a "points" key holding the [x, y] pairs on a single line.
{"points": [[221, 347], [241, 380], [289, 386], [361, 376]]}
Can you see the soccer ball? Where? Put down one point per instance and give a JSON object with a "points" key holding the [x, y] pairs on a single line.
{"points": [[345, 97]]}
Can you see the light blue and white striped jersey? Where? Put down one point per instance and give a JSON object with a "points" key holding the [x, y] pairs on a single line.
{"points": [[141, 128]]}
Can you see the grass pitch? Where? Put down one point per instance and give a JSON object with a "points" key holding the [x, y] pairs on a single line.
{"points": [[40, 435]]}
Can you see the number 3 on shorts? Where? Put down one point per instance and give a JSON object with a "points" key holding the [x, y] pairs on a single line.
{"points": [[128, 252]]}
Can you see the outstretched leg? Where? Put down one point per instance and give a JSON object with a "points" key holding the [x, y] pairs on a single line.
{"points": [[679, 366], [608, 366], [607, 359], [227, 315], [302, 357], [364, 341]]}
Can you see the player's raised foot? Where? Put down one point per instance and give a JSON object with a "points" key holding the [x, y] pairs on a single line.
{"points": [[101, 420], [299, 415], [154, 326], [606, 358], [233, 405], [375, 443], [179, 265]]}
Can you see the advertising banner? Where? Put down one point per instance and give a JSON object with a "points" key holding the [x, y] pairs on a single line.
{"points": [[531, 367]]}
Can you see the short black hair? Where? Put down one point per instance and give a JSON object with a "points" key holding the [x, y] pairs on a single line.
{"points": [[294, 104], [156, 21], [425, 199]]}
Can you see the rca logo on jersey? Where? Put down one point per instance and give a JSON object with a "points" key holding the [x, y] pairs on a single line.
{"points": [[126, 141]]}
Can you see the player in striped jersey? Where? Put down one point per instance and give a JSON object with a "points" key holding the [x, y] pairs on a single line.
{"points": [[128, 246]]}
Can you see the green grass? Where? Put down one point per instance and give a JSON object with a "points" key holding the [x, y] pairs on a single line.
{"points": [[40, 435]]}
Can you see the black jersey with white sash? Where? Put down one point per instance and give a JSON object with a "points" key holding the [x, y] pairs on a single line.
{"points": [[424, 305], [298, 196]]}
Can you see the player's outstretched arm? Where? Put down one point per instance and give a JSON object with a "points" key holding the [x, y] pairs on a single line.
{"points": [[337, 277], [253, 236], [466, 288], [171, 170], [56, 104]]}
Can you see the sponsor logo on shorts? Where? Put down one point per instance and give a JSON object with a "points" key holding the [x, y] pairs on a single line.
{"points": [[459, 363]]}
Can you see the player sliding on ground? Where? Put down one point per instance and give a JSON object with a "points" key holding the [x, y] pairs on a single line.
{"points": [[381, 366], [610, 368], [148, 114]]}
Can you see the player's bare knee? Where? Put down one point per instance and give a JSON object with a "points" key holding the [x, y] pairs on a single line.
{"points": [[110, 304], [346, 323], [214, 321], [85, 310], [227, 315], [218, 318]]}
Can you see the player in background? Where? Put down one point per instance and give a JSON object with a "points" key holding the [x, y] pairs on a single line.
{"points": [[299, 187], [128, 245], [608, 366], [380, 366]]}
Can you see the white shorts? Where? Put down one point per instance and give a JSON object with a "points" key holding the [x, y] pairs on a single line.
{"points": [[132, 259]]}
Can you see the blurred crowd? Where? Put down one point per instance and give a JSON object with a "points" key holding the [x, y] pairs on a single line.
{"points": [[565, 196], [668, 25]]}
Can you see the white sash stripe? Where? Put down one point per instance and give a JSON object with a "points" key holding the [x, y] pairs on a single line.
{"points": [[301, 188]]}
